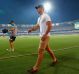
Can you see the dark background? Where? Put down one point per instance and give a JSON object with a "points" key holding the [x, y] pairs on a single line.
{"points": [[23, 11]]}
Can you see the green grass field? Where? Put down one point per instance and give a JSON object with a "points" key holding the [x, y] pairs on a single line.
{"points": [[19, 62]]}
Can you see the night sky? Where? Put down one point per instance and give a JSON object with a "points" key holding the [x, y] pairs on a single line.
{"points": [[23, 11]]}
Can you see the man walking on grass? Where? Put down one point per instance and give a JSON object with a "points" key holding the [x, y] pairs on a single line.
{"points": [[45, 25]]}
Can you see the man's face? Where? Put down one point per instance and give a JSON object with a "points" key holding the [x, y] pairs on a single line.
{"points": [[40, 10]]}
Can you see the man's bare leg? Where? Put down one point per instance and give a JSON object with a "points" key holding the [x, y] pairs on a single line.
{"points": [[51, 53], [11, 45], [39, 59]]}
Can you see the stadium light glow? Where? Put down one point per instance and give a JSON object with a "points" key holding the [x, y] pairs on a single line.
{"points": [[47, 6]]}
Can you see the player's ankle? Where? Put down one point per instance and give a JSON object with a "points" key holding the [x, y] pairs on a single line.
{"points": [[35, 68], [55, 60]]}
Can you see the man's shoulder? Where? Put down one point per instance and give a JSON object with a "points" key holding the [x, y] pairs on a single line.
{"points": [[46, 15]]}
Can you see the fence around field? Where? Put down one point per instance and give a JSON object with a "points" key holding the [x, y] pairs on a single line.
{"points": [[71, 27]]}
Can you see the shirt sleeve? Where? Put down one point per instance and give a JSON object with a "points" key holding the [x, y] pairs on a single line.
{"points": [[47, 18]]}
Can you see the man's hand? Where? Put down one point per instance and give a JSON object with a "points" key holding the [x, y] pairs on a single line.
{"points": [[30, 30], [34, 28], [43, 37]]}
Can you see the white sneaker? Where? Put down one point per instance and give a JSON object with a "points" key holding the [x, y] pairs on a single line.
{"points": [[8, 49]]}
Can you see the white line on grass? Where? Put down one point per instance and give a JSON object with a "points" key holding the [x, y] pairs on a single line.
{"points": [[66, 48], [30, 54]]}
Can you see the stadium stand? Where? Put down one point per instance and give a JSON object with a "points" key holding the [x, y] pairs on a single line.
{"points": [[58, 28]]}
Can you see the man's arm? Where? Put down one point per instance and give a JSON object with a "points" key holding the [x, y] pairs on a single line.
{"points": [[34, 28], [49, 27]]}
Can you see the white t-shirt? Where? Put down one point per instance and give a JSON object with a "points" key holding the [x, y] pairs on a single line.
{"points": [[42, 23]]}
